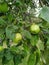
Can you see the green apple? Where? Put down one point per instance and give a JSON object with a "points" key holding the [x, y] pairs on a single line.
{"points": [[18, 37], [35, 29]]}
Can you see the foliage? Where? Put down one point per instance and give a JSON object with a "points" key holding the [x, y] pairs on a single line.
{"points": [[17, 16]]}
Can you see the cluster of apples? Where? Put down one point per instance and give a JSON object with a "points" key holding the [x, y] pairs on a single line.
{"points": [[34, 29]]}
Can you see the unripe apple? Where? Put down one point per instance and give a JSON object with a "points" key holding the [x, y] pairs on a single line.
{"points": [[18, 37], [35, 29]]}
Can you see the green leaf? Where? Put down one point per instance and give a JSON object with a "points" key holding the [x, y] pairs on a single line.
{"points": [[44, 14], [10, 17], [18, 59], [7, 57], [15, 49], [34, 40], [25, 60], [26, 48], [38, 55], [47, 43], [32, 59], [3, 7], [1, 54], [1, 62], [40, 45], [2, 22], [46, 56], [27, 34], [11, 62], [10, 31], [9, 34], [2, 36], [18, 3]]}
